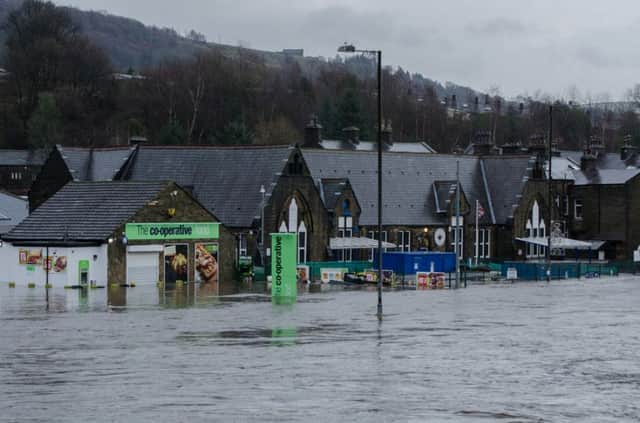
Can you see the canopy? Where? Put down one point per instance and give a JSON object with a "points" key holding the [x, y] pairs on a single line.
{"points": [[560, 242], [357, 243]]}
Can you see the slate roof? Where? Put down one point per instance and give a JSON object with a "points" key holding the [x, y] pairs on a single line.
{"points": [[13, 210], [443, 190], [22, 157], [407, 182], [85, 212], [505, 177], [226, 180], [332, 188], [610, 169], [95, 164], [605, 176], [396, 147]]}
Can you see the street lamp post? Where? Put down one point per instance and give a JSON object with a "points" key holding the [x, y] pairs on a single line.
{"points": [[262, 255], [349, 48]]}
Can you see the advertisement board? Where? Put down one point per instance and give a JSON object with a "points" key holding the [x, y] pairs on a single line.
{"points": [[206, 263], [171, 231], [30, 257], [328, 274], [176, 263], [55, 264], [283, 266], [303, 273]]}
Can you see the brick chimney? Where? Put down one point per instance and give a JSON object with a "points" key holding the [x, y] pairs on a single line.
{"points": [[387, 133], [512, 148], [313, 134], [628, 150], [352, 134], [537, 145], [483, 143], [588, 161], [596, 146]]}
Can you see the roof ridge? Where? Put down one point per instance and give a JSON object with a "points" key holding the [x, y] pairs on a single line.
{"points": [[217, 147]]}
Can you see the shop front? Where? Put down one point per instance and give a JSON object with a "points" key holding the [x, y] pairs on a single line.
{"points": [[172, 252]]}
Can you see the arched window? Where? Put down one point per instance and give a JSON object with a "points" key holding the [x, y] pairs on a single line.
{"points": [[283, 227], [293, 215], [536, 232], [302, 243]]}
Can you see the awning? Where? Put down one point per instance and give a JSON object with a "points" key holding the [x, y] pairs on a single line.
{"points": [[560, 242], [357, 243]]}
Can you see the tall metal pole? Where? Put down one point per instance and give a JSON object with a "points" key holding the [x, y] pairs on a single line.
{"points": [[549, 196], [46, 283], [379, 54], [477, 233], [457, 225]]}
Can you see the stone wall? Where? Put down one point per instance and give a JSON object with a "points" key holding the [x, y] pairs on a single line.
{"points": [[187, 210]]}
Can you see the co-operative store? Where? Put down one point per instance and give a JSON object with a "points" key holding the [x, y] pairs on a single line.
{"points": [[117, 232]]}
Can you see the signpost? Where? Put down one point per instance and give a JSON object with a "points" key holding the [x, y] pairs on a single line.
{"points": [[283, 268]]}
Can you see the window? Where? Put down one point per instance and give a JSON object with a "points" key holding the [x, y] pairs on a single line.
{"points": [[241, 247], [404, 240], [293, 215], [16, 176], [345, 230], [484, 243], [535, 230], [374, 235], [302, 243], [459, 251], [577, 209], [459, 228]]}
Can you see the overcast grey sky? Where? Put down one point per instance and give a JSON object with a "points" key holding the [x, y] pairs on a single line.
{"points": [[519, 46]]}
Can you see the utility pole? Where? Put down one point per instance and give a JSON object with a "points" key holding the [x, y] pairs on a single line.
{"points": [[477, 232], [549, 196], [457, 225]]}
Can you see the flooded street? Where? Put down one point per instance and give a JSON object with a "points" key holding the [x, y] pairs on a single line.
{"points": [[528, 352]]}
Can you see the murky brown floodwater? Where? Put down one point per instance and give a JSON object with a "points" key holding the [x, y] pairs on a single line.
{"points": [[528, 352]]}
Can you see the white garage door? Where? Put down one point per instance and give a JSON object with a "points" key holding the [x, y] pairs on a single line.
{"points": [[143, 267]]}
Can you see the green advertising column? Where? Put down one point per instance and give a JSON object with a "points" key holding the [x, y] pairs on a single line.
{"points": [[283, 268]]}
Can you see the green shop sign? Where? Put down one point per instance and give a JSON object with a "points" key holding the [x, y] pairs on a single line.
{"points": [[283, 268], [171, 231]]}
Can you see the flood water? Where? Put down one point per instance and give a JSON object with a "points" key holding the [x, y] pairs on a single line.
{"points": [[527, 352]]}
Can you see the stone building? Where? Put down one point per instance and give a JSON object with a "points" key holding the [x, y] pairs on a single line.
{"points": [[240, 185], [19, 168], [118, 232]]}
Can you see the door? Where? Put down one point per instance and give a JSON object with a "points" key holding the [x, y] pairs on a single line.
{"points": [[142, 267]]}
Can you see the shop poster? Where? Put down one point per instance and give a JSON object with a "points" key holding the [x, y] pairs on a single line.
{"points": [[176, 263], [206, 263]]}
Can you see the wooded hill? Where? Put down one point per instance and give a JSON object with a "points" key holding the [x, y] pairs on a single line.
{"points": [[62, 87]]}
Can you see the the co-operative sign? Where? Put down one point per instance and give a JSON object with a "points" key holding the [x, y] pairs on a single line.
{"points": [[283, 266], [171, 231]]}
